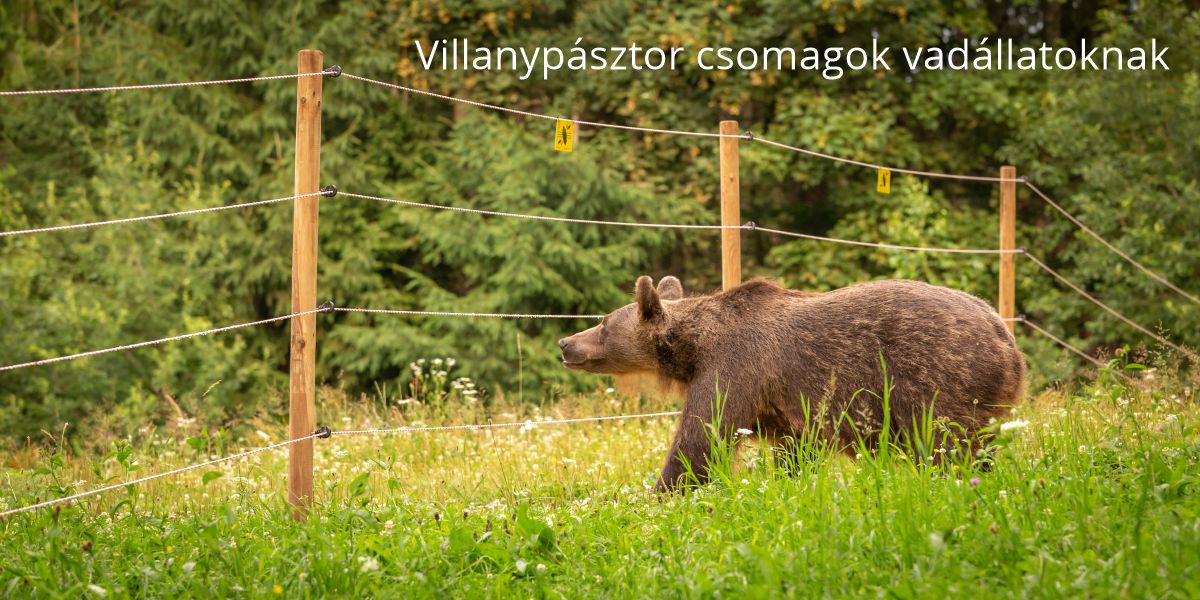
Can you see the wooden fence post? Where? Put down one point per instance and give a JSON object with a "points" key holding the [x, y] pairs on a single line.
{"points": [[303, 367], [731, 212], [1008, 241]]}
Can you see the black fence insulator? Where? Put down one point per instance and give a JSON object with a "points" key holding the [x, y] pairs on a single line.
{"points": [[323, 432]]}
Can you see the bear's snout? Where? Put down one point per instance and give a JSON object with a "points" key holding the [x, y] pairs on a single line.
{"points": [[576, 351], [570, 353]]}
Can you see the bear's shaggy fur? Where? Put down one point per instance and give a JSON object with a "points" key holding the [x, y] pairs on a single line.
{"points": [[779, 355]]}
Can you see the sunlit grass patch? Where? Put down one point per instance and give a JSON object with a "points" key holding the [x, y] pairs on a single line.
{"points": [[1092, 491]]}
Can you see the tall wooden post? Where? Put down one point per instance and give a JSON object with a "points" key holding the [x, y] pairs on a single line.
{"points": [[303, 368], [1008, 241], [731, 212]]}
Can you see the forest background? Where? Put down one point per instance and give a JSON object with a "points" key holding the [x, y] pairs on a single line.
{"points": [[1120, 149]]}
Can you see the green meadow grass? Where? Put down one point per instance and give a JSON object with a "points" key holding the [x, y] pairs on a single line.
{"points": [[1096, 495]]}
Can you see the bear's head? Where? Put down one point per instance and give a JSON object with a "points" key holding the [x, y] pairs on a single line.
{"points": [[625, 341]]}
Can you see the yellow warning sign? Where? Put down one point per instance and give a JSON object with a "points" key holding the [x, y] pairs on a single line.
{"points": [[564, 136], [884, 184]]}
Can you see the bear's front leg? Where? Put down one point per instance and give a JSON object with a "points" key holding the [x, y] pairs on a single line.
{"points": [[692, 446]]}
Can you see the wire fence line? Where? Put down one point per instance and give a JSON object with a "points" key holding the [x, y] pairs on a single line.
{"points": [[750, 226], [1034, 326], [884, 246], [154, 217], [747, 136], [1129, 259], [327, 307], [535, 115], [109, 488], [325, 433], [159, 86], [174, 338], [435, 313], [1079, 290], [495, 213], [869, 165], [525, 424]]}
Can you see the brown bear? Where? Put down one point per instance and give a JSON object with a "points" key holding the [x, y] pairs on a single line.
{"points": [[777, 354]]}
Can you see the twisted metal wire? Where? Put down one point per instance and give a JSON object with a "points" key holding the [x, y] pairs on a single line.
{"points": [[537, 115], [495, 213], [324, 433], [158, 86], [1034, 326], [506, 425], [115, 486], [47, 361], [1129, 259], [1079, 290], [868, 165], [745, 227], [434, 313], [154, 217]]}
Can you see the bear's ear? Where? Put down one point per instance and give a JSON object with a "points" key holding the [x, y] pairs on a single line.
{"points": [[669, 288], [648, 304]]}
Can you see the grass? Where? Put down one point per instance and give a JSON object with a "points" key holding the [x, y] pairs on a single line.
{"points": [[1096, 495]]}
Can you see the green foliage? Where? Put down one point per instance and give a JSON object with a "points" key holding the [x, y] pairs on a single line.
{"points": [[1118, 148], [1123, 153]]}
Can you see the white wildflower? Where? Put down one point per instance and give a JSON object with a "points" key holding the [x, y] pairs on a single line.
{"points": [[369, 564], [744, 432], [262, 434], [97, 590], [610, 390], [1017, 424]]}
